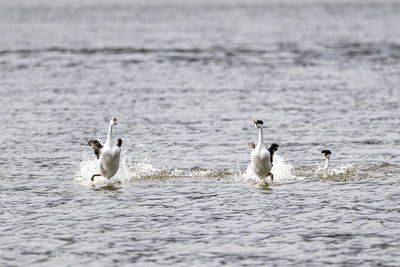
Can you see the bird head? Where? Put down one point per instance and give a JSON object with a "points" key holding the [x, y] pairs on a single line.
{"points": [[113, 121], [326, 153], [119, 142], [258, 123], [274, 147]]}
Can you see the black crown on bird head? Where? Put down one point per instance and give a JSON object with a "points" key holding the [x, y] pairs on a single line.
{"points": [[326, 152], [119, 142], [274, 147]]}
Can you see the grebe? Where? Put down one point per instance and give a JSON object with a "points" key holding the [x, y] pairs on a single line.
{"points": [[108, 155], [262, 158], [326, 154]]}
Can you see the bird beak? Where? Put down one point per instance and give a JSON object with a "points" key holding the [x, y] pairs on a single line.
{"points": [[255, 122], [114, 119]]}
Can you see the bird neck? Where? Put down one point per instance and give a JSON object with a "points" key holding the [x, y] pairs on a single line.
{"points": [[326, 162], [109, 136], [271, 153], [260, 137]]}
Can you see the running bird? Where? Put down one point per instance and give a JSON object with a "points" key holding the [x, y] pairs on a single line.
{"points": [[262, 158], [327, 155], [108, 155]]}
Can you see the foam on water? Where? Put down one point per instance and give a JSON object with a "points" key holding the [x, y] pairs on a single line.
{"points": [[336, 173], [129, 170], [341, 173], [282, 173]]}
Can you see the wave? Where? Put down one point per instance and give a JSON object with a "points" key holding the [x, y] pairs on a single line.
{"points": [[301, 54]]}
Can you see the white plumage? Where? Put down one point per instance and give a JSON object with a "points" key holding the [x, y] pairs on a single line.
{"points": [[108, 154], [261, 157]]}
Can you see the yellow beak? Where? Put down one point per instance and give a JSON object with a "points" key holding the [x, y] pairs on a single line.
{"points": [[114, 118], [255, 122]]}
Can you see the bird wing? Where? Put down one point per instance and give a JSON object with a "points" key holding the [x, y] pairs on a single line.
{"points": [[96, 147], [251, 145]]}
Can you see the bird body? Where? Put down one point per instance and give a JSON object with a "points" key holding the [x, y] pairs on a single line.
{"points": [[261, 157], [108, 155], [260, 161], [109, 161]]}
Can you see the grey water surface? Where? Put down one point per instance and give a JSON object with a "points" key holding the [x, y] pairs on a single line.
{"points": [[185, 80]]}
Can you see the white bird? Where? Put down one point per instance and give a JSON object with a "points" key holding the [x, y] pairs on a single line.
{"points": [[327, 155], [108, 155], [262, 158]]}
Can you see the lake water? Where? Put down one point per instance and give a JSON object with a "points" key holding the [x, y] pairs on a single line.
{"points": [[185, 80]]}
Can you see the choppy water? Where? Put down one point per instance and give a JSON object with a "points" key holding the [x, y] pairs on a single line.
{"points": [[185, 80]]}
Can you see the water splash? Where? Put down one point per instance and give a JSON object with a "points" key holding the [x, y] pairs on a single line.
{"points": [[129, 170], [341, 173], [282, 174], [336, 173], [283, 171]]}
